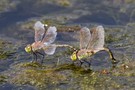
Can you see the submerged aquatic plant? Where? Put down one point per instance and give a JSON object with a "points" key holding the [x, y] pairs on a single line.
{"points": [[6, 49]]}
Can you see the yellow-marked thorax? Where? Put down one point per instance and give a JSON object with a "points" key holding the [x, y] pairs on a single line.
{"points": [[28, 48], [84, 53]]}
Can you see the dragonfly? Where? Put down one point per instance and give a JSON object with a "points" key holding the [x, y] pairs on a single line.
{"points": [[91, 42], [44, 37]]}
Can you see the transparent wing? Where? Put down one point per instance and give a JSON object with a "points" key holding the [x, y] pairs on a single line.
{"points": [[50, 49], [50, 35], [85, 36], [97, 38], [39, 31]]}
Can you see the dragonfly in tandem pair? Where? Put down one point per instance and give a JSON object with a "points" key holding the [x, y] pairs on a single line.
{"points": [[91, 42], [44, 38]]}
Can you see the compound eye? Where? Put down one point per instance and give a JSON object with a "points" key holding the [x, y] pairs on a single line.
{"points": [[29, 47]]}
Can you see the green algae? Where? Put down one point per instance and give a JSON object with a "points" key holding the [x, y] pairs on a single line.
{"points": [[94, 80], [64, 3], [42, 76], [6, 4], [30, 64], [34, 76], [129, 1], [126, 69], [6, 49], [74, 68], [3, 79], [38, 78]]}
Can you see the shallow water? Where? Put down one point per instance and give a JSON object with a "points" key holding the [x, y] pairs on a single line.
{"points": [[57, 71]]}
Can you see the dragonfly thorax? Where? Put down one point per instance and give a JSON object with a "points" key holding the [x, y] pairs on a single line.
{"points": [[84, 54], [81, 54], [37, 46]]}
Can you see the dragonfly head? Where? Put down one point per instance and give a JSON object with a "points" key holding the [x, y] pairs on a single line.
{"points": [[74, 56], [28, 48]]}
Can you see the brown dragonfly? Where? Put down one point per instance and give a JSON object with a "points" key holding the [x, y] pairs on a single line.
{"points": [[43, 40], [91, 42]]}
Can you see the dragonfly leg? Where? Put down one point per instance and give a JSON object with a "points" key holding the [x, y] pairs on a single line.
{"points": [[42, 56], [114, 61], [81, 62], [35, 57], [87, 62], [78, 63]]}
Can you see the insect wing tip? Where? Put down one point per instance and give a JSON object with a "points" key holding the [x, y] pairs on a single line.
{"points": [[100, 27], [38, 25], [53, 28], [84, 28]]}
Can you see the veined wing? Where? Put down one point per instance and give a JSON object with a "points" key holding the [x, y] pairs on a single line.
{"points": [[50, 35], [85, 36], [39, 31], [50, 49], [97, 38]]}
